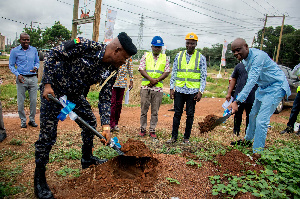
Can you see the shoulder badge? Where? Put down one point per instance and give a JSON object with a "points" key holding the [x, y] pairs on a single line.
{"points": [[77, 40]]}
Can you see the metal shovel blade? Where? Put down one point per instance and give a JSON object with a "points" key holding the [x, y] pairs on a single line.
{"points": [[221, 120]]}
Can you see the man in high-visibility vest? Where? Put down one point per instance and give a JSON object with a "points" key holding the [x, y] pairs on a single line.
{"points": [[296, 108], [154, 67], [189, 76]]}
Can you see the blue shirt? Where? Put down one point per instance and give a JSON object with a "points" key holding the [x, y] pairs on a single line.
{"points": [[262, 70], [185, 89], [25, 60]]}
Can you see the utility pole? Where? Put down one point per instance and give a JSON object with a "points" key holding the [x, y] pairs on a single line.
{"points": [[279, 43], [75, 17], [97, 20], [263, 34], [140, 36]]}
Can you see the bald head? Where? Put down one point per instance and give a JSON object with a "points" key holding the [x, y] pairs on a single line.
{"points": [[240, 49], [239, 42], [115, 53]]}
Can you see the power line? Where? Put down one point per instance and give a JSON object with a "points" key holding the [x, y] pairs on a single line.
{"points": [[261, 6], [273, 7], [215, 11], [252, 7], [207, 15]]}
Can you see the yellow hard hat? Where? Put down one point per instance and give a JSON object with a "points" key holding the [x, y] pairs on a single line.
{"points": [[191, 36]]}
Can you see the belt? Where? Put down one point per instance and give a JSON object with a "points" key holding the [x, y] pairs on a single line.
{"points": [[30, 75]]}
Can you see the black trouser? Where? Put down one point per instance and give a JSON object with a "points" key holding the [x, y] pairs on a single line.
{"points": [[295, 111], [238, 117], [48, 126], [179, 100]]}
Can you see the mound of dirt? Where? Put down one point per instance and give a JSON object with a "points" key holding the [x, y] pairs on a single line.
{"points": [[235, 162], [137, 168], [207, 123], [136, 148]]}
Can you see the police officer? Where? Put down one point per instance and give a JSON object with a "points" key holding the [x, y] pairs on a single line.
{"points": [[189, 76], [154, 67], [68, 70]]}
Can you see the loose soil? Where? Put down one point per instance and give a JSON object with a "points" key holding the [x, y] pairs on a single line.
{"points": [[207, 124]]}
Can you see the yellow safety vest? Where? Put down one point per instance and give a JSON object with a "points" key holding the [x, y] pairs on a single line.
{"points": [[298, 89], [188, 74], [154, 70]]}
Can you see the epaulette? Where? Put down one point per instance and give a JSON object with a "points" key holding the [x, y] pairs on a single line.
{"points": [[71, 43]]}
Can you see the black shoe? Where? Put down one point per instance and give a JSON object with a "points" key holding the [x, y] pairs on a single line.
{"points": [[246, 143], [172, 109], [287, 130], [32, 123], [92, 160], [23, 125], [2, 136], [41, 188]]}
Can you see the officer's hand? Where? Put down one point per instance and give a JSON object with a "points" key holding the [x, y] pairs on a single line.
{"points": [[198, 96], [21, 79], [107, 135], [35, 70], [171, 93], [48, 90]]}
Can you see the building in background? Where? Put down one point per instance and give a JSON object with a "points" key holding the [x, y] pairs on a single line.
{"points": [[2, 43]]}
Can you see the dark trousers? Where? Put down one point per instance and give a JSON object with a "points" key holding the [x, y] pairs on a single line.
{"points": [[116, 105], [295, 111], [179, 100], [48, 126], [238, 117]]}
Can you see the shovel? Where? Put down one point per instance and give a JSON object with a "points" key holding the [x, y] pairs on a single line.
{"points": [[113, 143], [222, 119]]}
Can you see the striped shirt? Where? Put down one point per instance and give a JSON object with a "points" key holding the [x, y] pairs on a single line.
{"points": [[125, 69]]}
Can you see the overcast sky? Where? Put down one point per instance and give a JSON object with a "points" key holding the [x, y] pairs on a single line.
{"points": [[212, 20]]}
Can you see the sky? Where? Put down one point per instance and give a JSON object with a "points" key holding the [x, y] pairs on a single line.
{"points": [[212, 20]]}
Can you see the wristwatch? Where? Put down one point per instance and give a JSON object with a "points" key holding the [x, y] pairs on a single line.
{"points": [[201, 92], [105, 128], [238, 103]]}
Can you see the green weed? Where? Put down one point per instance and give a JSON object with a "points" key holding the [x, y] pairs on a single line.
{"points": [[193, 163], [16, 142], [61, 154], [105, 152], [171, 180], [65, 171]]}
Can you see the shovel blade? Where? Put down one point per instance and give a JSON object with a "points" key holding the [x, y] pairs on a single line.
{"points": [[221, 120]]}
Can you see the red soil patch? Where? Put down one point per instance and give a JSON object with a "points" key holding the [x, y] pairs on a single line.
{"points": [[207, 124]]}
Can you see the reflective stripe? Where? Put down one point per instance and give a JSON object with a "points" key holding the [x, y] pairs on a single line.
{"points": [[197, 58], [154, 71], [145, 79], [180, 59], [188, 79], [189, 70]]}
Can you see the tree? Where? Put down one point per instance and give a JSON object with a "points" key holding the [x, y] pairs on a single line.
{"points": [[55, 35], [289, 49]]}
